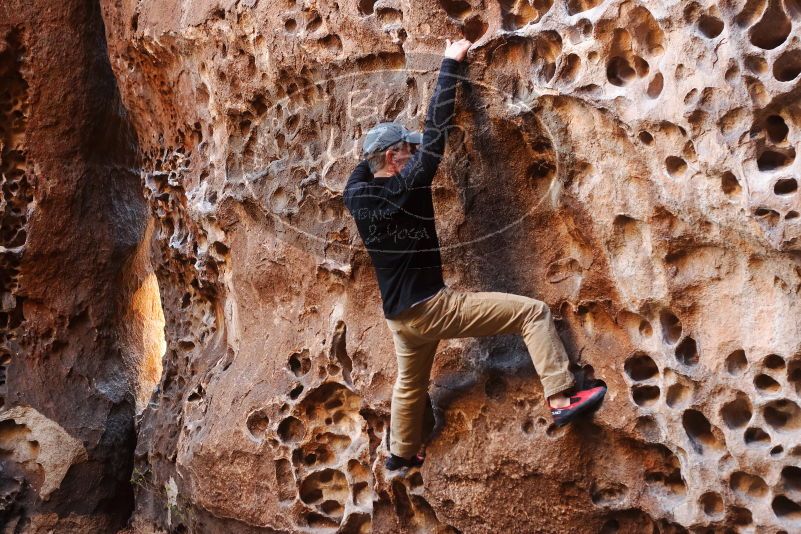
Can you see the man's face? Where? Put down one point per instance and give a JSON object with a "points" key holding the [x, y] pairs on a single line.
{"points": [[400, 154]]}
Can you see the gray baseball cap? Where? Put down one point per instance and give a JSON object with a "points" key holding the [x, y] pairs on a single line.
{"points": [[386, 134]]}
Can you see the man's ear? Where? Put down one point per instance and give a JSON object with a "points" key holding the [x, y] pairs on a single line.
{"points": [[389, 158]]}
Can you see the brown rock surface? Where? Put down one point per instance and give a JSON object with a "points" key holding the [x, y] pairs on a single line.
{"points": [[633, 164], [74, 277]]}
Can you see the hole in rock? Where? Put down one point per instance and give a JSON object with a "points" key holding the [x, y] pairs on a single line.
{"points": [[296, 391], [794, 375], [700, 432], [641, 67], [750, 13], [331, 42], [290, 25], [457, 9], [517, 14], [784, 508], [671, 327], [258, 423], [773, 361], [641, 367], [646, 137], [331, 507], [691, 11], [711, 503], [747, 485], [756, 436], [788, 66], [528, 426], [740, 516], [690, 96], [578, 6], [495, 388], [670, 476], [777, 450], [773, 29], [776, 128], [785, 186], [772, 216], [619, 71], [300, 363], [366, 7], [756, 64], [791, 477], [687, 352], [737, 413], [655, 86], [729, 183], [675, 166], [645, 395], [585, 26], [314, 23], [792, 214], [360, 492], [677, 395], [766, 384], [291, 429], [645, 328], [608, 495], [325, 485], [474, 28], [771, 160], [782, 415], [570, 68], [710, 26], [388, 15]]}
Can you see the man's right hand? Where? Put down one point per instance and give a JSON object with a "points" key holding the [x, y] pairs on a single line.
{"points": [[456, 50]]}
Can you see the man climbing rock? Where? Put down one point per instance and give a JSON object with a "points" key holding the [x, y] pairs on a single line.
{"points": [[389, 196]]}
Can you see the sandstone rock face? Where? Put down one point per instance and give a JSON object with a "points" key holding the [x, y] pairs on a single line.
{"points": [[633, 164], [77, 297]]}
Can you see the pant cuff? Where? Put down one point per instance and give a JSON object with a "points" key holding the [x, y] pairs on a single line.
{"points": [[404, 451], [558, 383]]}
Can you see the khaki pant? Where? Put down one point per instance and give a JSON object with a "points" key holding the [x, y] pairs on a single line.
{"points": [[451, 314]]}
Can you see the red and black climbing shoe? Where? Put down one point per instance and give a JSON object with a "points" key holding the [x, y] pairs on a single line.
{"points": [[581, 402], [398, 462]]}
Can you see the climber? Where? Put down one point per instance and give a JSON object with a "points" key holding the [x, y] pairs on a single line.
{"points": [[389, 196]]}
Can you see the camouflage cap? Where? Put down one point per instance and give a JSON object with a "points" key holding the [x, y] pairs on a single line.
{"points": [[386, 134]]}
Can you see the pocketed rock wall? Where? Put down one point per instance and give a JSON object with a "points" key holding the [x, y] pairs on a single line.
{"points": [[78, 300], [633, 164]]}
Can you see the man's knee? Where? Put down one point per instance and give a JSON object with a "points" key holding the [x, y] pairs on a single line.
{"points": [[409, 391], [538, 310]]}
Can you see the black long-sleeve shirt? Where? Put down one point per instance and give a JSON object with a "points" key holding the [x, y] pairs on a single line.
{"points": [[395, 214]]}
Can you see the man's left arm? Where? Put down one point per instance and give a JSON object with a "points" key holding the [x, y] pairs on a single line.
{"points": [[360, 175]]}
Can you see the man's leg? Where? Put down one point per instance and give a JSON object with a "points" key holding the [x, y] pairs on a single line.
{"points": [[415, 357], [452, 314]]}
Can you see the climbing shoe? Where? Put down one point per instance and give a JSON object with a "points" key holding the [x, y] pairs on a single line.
{"points": [[581, 402], [398, 462]]}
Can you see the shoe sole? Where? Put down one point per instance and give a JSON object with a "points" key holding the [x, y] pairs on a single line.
{"points": [[592, 403]]}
